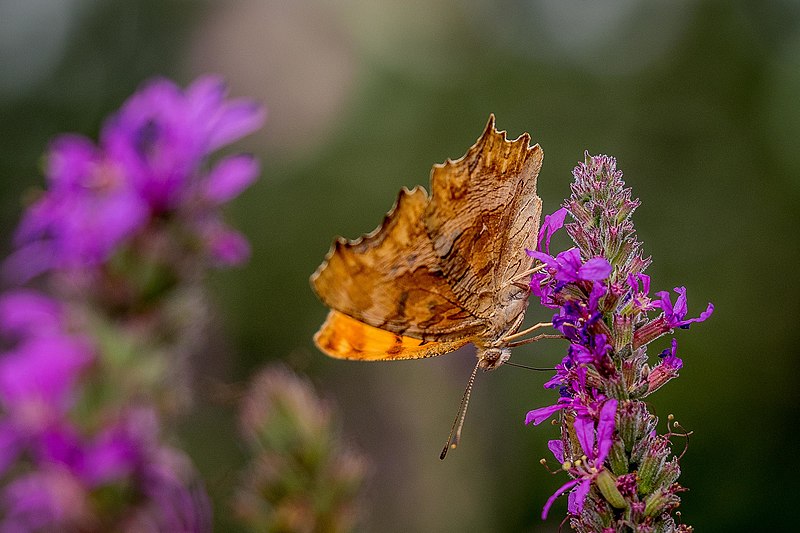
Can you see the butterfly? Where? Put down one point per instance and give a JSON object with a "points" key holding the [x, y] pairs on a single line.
{"points": [[443, 269]]}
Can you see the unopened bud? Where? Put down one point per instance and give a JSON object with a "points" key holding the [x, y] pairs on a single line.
{"points": [[652, 463], [608, 487], [617, 458], [659, 501]]}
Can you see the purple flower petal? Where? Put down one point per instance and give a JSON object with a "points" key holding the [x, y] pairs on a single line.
{"points": [[577, 498], [561, 490], [37, 377], [584, 430], [229, 177], [227, 247], [49, 499], [28, 312], [605, 430], [537, 416], [547, 259], [598, 291], [675, 315], [595, 269], [9, 445], [69, 160], [568, 263], [633, 283], [556, 446], [206, 95], [580, 353], [239, 118], [552, 223]]}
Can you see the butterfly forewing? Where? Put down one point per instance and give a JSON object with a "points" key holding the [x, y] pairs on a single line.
{"points": [[483, 214], [391, 279]]}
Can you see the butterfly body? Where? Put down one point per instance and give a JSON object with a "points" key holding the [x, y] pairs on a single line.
{"points": [[442, 270]]}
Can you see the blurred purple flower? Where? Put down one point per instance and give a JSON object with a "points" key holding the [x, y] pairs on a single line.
{"points": [[151, 162], [226, 246], [229, 178], [48, 499], [156, 488], [162, 134], [89, 207], [59, 468], [37, 378], [28, 313]]}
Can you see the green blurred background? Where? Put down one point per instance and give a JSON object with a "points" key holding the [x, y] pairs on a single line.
{"points": [[698, 100]]}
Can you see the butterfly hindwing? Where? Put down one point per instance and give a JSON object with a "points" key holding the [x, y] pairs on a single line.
{"points": [[343, 337]]}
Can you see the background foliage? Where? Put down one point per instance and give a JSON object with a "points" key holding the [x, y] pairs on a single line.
{"points": [[696, 99]]}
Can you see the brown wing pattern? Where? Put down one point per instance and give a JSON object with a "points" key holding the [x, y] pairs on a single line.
{"points": [[483, 214], [391, 279]]}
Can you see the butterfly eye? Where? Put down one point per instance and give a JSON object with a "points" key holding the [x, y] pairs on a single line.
{"points": [[491, 358]]}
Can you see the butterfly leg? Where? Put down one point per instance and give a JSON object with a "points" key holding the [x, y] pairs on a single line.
{"points": [[524, 332], [535, 339], [528, 273], [523, 280]]}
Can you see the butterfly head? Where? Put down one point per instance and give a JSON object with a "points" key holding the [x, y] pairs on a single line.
{"points": [[493, 357]]}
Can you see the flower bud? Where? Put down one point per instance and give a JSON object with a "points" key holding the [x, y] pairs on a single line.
{"points": [[660, 501], [652, 463], [608, 487], [669, 473], [617, 458], [633, 421]]}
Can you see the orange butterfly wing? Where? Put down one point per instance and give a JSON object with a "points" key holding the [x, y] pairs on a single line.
{"points": [[343, 337]]}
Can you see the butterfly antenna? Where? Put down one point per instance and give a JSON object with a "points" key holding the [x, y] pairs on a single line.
{"points": [[458, 423], [526, 367]]}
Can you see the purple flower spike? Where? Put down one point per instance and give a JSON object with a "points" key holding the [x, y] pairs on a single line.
{"points": [[601, 300], [675, 314]]}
